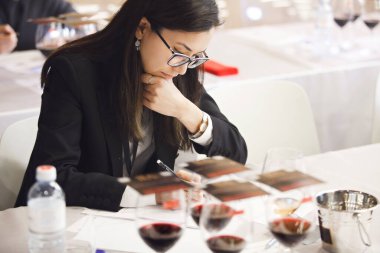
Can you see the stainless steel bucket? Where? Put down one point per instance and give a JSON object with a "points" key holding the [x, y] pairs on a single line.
{"points": [[344, 219]]}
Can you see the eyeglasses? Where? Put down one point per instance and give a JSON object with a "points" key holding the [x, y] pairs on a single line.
{"points": [[178, 59]]}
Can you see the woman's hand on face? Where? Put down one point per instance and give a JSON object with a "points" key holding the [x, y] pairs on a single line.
{"points": [[162, 96]]}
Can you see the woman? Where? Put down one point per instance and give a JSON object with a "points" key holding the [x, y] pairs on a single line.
{"points": [[116, 101]]}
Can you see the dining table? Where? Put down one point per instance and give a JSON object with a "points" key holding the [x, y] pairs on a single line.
{"points": [[348, 169]]}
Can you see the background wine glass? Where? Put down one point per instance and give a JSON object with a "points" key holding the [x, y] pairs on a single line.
{"points": [[343, 13], [161, 220], [76, 29], [226, 226], [48, 36], [371, 14], [357, 7], [288, 228]]}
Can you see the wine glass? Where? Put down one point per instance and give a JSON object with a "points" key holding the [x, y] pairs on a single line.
{"points": [[48, 36], [371, 14], [76, 29], [161, 219], [226, 226], [343, 14], [286, 158], [288, 228], [195, 196], [356, 10]]}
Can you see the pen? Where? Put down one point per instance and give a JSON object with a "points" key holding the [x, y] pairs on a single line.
{"points": [[164, 166]]}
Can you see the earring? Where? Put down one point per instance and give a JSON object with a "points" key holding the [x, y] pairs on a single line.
{"points": [[137, 44]]}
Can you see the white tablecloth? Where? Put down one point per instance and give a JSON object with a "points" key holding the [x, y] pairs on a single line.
{"points": [[341, 87], [355, 168]]}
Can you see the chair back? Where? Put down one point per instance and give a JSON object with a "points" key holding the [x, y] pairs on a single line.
{"points": [[16, 145], [269, 114]]}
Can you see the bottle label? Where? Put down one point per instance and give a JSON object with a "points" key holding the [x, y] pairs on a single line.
{"points": [[46, 215]]}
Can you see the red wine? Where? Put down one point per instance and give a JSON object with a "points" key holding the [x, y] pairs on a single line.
{"points": [[226, 244], [289, 231], [160, 236], [355, 17], [341, 21], [371, 23], [218, 217], [196, 213]]}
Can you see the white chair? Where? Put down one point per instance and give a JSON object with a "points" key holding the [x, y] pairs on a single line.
{"points": [[269, 114], [16, 146], [376, 115]]}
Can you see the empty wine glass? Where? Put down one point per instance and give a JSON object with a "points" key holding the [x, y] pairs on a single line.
{"points": [[288, 159], [288, 228], [285, 158], [161, 219], [48, 36], [76, 29], [226, 226]]}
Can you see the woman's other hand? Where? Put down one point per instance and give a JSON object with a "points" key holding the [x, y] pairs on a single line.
{"points": [[8, 39]]}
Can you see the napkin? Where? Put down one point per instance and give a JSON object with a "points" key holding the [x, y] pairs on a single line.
{"points": [[219, 69]]}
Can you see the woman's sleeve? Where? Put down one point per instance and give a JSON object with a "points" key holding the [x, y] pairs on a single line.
{"points": [[226, 139]]}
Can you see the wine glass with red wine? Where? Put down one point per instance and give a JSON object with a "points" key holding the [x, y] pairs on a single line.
{"points": [[161, 219], [343, 11], [226, 226], [286, 226], [356, 10], [371, 14]]}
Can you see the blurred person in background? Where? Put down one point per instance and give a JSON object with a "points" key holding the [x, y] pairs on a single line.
{"points": [[116, 101], [16, 33]]}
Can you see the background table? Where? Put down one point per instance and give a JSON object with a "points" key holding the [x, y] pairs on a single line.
{"points": [[355, 168], [341, 87]]}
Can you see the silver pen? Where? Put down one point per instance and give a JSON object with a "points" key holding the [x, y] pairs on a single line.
{"points": [[164, 166]]}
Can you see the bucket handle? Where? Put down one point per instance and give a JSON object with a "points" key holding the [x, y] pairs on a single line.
{"points": [[363, 232]]}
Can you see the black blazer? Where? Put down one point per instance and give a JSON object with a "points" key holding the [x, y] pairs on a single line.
{"points": [[78, 134]]}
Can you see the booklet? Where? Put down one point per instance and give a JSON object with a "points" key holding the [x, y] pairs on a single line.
{"points": [[215, 167], [284, 180], [234, 190], [157, 183]]}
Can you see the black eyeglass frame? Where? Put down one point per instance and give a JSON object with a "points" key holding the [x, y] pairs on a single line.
{"points": [[192, 61]]}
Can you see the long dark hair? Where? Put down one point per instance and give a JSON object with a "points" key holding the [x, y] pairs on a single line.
{"points": [[115, 45]]}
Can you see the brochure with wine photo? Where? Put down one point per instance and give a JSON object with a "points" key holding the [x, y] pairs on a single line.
{"points": [[284, 180], [215, 167], [157, 183], [234, 190]]}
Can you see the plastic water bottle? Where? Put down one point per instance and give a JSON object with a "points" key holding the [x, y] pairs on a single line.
{"points": [[46, 213]]}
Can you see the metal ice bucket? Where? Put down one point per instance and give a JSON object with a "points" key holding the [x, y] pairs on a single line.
{"points": [[344, 219]]}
